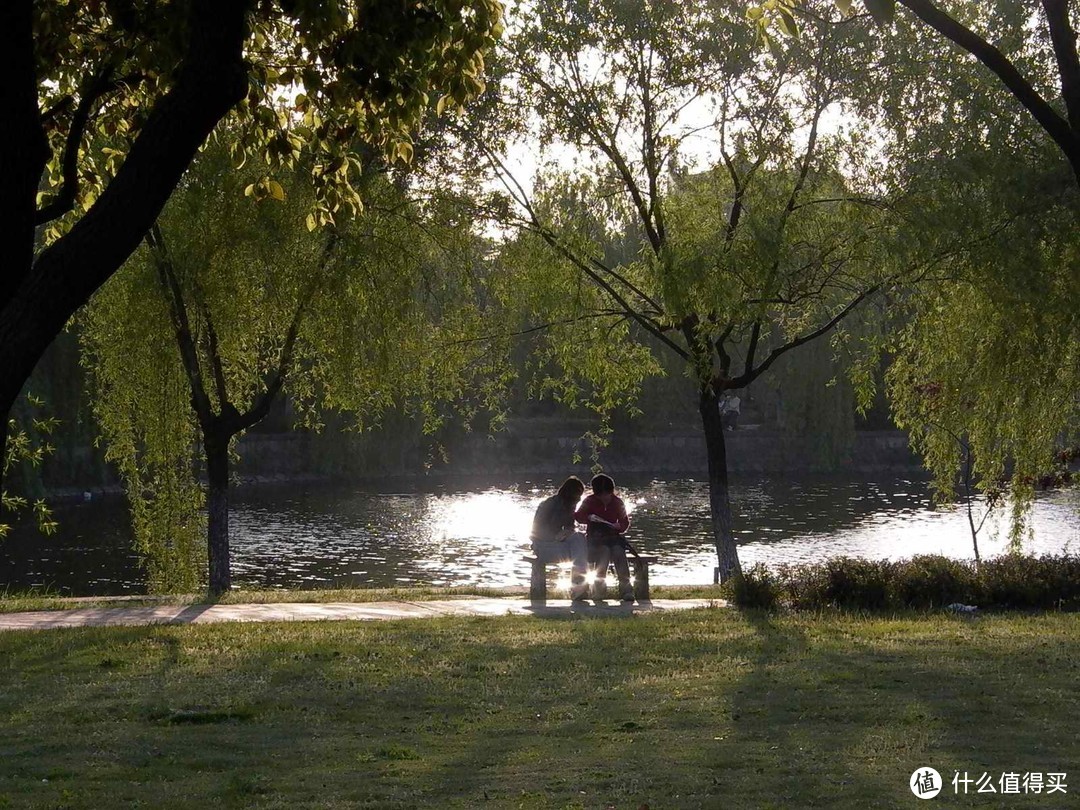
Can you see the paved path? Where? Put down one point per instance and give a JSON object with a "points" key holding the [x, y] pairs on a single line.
{"points": [[330, 611]]}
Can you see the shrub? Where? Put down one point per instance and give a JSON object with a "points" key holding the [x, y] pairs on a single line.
{"points": [[1018, 581], [931, 581], [856, 584], [1012, 581], [757, 587]]}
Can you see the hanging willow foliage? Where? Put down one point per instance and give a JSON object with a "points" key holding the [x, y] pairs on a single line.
{"points": [[369, 315], [141, 403]]}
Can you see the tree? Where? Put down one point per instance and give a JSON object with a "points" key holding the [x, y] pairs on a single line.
{"points": [[151, 81], [232, 302], [985, 377], [1052, 30], [762, 241]]}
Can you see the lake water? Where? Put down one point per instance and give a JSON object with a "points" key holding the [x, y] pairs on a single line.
{"points": [[304, 536]]}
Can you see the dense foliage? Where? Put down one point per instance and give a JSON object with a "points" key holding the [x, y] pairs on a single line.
{"points": [[107, 102], [1009, 582], [321, 78], [234, 300]]}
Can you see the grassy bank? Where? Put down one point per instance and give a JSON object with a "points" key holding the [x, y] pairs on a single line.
{"points": [[705, 708]]}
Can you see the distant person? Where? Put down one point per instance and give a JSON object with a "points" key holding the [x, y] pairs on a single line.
{"points": [[604, 516], [554, 538], [729, 411]]}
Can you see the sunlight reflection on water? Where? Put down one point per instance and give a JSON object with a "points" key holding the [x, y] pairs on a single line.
{"points": [[470, 537], [321, 536]]}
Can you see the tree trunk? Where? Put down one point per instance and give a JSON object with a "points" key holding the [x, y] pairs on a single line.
{"points": [[38, 296], [217, 512], [25, 148], [720, 505], [22, 158]]}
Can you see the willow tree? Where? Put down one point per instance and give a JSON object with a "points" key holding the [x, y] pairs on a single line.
{"points": [[153, 80], [986, 372], [985, 375], [984, 139], [232, 301], [754, 217]]}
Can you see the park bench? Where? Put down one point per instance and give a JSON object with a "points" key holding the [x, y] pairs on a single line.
{"points": [[638, 565]]}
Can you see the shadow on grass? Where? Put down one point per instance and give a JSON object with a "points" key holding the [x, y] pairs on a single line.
{"points": [[842, 710], [691, 710]]}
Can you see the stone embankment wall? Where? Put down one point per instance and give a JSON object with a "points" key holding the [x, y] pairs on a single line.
{"points": [[289, 456], [526, 450]]}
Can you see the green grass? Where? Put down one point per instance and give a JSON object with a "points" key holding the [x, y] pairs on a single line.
{"points": [[696, 709], [14, 602]]}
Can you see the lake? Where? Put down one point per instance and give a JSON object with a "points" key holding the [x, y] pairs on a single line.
{"points": [[308, 536]]}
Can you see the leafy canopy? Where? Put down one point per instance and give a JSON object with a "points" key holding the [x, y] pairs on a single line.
{"points": [[322, 76]]}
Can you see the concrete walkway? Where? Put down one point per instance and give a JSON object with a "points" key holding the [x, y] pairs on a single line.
{"points": [[332, 611]]}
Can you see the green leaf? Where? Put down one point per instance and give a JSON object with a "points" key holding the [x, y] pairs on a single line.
{"points": [[276, 191], [844, 6]]}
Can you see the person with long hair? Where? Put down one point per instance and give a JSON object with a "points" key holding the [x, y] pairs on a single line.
{"points": [[554, 538]]}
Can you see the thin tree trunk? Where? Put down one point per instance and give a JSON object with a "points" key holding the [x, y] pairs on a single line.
{"points": [[719, 499], [217, 512], [967, 499]]}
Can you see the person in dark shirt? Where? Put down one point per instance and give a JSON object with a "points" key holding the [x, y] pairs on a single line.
{"points": [[554, 538], [604, 515]]}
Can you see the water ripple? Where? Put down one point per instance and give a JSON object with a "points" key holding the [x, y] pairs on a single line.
{"points": [[335, 537]]}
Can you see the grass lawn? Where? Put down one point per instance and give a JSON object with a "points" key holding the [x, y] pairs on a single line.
{"points": [[697, 709]]}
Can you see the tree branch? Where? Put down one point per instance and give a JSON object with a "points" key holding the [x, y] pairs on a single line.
{"points": [[215, 360], [174, 297], [871, 202], [261, 407], [606, 313], [650, 134], [751, 349], [606, 142], [1064, 38], [752, 374], [640, 318], [592, 266], [648, 299], [65, 198]]}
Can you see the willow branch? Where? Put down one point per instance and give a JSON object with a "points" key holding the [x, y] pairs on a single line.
{"points": [[174, 297]]}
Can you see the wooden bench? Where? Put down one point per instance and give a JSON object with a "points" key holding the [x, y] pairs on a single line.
{"points": [[638, 565]]}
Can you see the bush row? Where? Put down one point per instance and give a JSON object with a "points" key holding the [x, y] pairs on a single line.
{"points": [[1008, 582]]}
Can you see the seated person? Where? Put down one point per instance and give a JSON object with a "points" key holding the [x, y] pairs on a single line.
{"points": [[553, 536], [604, 515]]}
